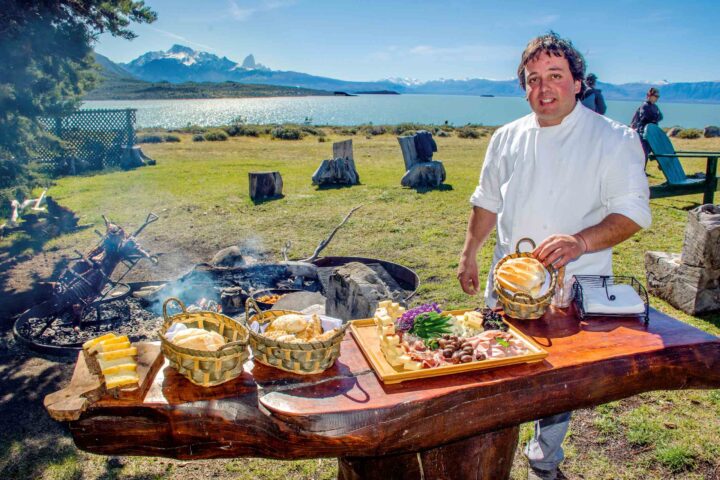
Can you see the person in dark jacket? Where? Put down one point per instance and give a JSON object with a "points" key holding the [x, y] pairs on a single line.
{"points": [[647, 113], [592, 97]]}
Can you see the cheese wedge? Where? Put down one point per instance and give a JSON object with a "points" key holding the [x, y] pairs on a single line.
{"points": [[126, 352], [120, 369], [105, 364], [91, 343], [121, 380]]}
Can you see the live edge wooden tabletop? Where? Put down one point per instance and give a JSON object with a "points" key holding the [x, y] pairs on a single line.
{"points": [[347, 411]]}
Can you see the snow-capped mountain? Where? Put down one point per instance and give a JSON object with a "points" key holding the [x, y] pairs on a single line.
{"points": [[182, 64]]}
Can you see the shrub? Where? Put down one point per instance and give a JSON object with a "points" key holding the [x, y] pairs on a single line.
{"points": [[286, 133], [323, 139], [216, 136], [171, 138], [149, 139], [689, 133], [198, 138], [468, 132]]}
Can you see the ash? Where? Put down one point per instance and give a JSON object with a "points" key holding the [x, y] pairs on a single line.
{"points": [[123, 317]]}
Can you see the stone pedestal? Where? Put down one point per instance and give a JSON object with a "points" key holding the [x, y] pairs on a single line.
{"points": [[690, 281]]}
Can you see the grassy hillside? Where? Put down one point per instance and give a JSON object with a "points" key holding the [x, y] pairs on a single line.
{"points": [[200, 191]]}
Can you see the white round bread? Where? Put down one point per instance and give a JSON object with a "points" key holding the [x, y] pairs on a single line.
{"points": [[198, 339], [522, 275], [291, 323]]}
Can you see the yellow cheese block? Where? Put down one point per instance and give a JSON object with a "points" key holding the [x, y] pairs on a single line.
{"points": [[111, 347], [126, 352], [91, 343], [105, 364], [122, 380], [412, 365], [119, 369]]}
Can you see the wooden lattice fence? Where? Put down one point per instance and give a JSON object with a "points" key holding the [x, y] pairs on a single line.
{"points": [[95, 139]]}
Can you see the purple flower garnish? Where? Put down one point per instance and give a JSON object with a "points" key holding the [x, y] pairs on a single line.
{"points": [[407, 319]]}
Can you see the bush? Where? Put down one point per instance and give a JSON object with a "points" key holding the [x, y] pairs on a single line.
{"points": [[323, 139], [149, 139], [198, 138], [171, 138], [216, 136], [286, 133], [468, 132], [690, 133]]}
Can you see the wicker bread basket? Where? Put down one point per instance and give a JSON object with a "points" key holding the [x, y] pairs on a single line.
{"points": [[304, 358], [522, 305], [201, 367]]}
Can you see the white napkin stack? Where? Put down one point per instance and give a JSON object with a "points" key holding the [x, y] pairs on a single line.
{"points": [[627, 300]]}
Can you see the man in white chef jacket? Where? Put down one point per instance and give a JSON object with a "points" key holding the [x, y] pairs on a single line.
{"points": [[563, 176]]}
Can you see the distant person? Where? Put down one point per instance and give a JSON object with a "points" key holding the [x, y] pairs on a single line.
{"points": [[592, 98], [647, 113]]}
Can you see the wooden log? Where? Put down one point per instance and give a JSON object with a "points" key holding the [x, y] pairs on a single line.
{"points": [[133, 157], [482, 457], [265, 185], [343, 150], [424, 175], [407, 145]]}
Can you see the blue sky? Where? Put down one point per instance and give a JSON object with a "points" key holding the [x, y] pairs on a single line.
{"points": [[623, 41]]}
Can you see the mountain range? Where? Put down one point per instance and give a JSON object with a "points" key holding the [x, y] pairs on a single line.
{"points": [[182, 64]]}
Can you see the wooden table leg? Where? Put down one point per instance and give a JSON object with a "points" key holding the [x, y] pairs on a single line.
{"points": [[483, 457]]}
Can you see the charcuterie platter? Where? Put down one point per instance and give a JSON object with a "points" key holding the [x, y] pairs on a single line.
{"points": [[398, 358]]}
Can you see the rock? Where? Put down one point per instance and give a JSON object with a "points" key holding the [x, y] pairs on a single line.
{"points": [[711, 131], [354, 291], [228, 257], [701, 247], [674, 131], [299, 301], [424, 175]]}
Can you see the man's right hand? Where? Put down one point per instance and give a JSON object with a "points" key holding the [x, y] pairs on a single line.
{"points": [[468, 275]]}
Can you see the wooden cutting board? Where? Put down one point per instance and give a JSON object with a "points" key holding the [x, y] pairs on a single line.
{"points": [[85, 388]]}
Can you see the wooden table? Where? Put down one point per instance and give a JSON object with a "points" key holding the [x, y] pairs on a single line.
{"points": [[458, 426]]}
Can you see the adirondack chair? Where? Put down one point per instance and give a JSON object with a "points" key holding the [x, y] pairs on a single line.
{"points": [[678, 183]]}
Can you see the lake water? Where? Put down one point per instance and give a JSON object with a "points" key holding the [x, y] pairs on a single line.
{"points": [[376, 109]]}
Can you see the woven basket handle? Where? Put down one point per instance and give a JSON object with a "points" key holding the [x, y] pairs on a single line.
{"points": [[233, 344], [524, 239], [521, 296], [251, 304], [165, 304]]}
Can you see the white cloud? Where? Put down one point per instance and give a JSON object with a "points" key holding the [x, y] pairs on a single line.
{"points": [[242, 13], [185, 40]]}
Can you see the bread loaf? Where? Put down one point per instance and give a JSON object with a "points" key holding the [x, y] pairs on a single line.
{"points": [[522, 275], [198, 339]]}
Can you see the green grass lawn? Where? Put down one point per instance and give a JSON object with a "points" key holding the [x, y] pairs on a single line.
{"points": [[200, 191]]}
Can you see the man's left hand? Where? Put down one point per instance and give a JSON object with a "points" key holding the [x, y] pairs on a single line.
{"points": [[559, 250]]}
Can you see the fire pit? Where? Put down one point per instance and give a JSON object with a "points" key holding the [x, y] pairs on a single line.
{"points": [[205, 286]]}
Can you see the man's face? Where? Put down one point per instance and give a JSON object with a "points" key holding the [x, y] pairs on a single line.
{"points": [[550, 89]]}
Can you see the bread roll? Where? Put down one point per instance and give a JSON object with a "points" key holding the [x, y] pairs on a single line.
{"points": [[522, 275], [198, 339], [291, 323]]}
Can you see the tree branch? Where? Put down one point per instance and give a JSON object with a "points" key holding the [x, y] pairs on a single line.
{"points": [[325, 242]]}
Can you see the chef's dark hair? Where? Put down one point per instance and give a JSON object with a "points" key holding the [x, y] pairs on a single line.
{"points": [[552, 44]]}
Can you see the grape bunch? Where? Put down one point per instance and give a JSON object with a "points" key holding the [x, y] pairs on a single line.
{"points": [[407, 320], [492, 320]]}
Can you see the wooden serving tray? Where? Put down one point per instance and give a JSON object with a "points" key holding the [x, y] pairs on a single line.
{"points": [[365, 334], [86, 388]]}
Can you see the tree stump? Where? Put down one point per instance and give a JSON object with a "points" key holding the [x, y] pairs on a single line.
{"points": [[424, 175], [691, 281], [133, 157], [340, 170], [265, 185]]}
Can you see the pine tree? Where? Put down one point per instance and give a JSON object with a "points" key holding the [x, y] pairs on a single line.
{"points": [[45, 66]]}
